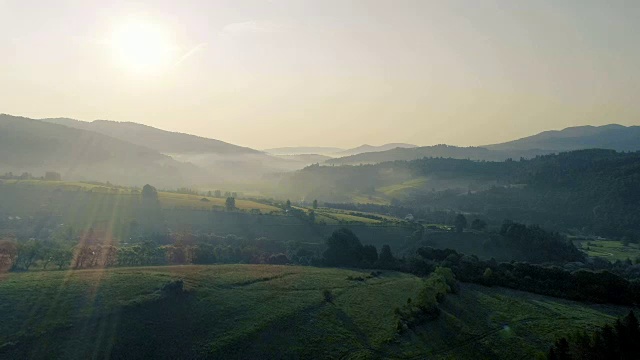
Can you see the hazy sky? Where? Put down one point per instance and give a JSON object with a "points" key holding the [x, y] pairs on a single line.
{"points": [[335, 73]]}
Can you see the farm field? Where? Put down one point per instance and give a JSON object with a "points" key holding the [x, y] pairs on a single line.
{"points": [[611, 250], [166, 199], [169, 199], [401, 189], [248, 311]]}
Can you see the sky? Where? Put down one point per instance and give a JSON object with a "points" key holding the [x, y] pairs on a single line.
{"points": [[263, 74]]}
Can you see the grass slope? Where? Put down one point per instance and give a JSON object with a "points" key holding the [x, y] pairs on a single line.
{"points": [[195, 202], [259, 311], [610, 250], [167, 199]]}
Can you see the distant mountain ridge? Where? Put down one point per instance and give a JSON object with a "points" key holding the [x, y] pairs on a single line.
{"points": [[334, 151], [164, 141], [303, 150], [29, 145], [612, 137], [228, 162], [371, 148], [444, 151]]}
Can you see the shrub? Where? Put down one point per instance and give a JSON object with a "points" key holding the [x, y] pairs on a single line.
{"points": [[327, 295], [173, 288]]}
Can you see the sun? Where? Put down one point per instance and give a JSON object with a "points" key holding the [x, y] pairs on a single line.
{"points": [[142, 47]]}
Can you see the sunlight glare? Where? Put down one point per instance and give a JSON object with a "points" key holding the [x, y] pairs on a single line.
{"points": [[142, 47]]}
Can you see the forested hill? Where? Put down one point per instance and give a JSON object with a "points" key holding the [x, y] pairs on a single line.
{"points": [[596, 189], [34, 146], [447, 151], [613, 136]]}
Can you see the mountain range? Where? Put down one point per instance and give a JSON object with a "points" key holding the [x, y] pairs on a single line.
{"points": [[163, 141], [34, 146], [333, 151], [613, 137], [133, 154]]}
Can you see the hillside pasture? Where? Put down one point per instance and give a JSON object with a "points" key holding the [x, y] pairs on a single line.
{"points": [[610, 250], [170, 200], [258, 311]]}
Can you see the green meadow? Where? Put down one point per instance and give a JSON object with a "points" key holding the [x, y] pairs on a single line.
{"points": [[266, 311], [611, 250]]}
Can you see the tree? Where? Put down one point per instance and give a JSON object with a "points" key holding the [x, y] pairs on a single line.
{"points": [[343, 249], [8, 254], [369, 254], [217, 193], [28, 253], [288, 204], [386, 256], [460, 223], [52, 176], [149, 193], [312, 216], [315, 204], [487, 275], [478, 225], [209, 193], [230, 204], [62, 257], [278, 259], [204, 254]]}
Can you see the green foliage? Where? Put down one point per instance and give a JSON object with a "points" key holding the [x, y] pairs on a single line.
{"points": [[585, 285], [478, 225], [149, 193], [62, 257], [595, 190], [173, 288], [345, 249], [425, 308], [460, 222], [534, 244], [386, 257], [622, 341], [327, 295], [230, 203]]}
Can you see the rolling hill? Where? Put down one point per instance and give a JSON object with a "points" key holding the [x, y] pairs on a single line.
{"points": [[596, 190], [34, 146], [260, 311]]}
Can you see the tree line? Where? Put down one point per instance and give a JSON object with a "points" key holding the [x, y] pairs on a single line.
{"points": [[621, 340]]}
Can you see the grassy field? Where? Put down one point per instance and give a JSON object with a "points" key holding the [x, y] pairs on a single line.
{"points": [[611, 250], [260, 311], [400, 190], [168, 199], [333, 216]]}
